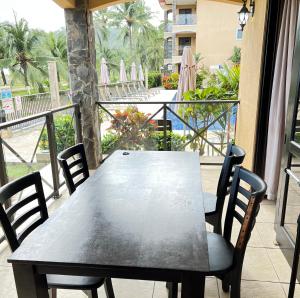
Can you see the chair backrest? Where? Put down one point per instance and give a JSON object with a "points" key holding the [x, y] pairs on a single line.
{"points": [[243, 206], [20, 219], [234, 156], [74, 165], [160, 125]]}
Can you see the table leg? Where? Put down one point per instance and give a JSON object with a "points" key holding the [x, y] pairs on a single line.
{"points": [[29, 284], [193, 286]]}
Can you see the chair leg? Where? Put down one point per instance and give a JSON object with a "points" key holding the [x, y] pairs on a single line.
{"points": [[225, 283], [173, 289], [52, 293], [236, 289], [109, 288]]}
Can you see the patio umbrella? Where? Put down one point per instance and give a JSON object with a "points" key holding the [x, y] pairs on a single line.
{"points": [[187, 78], [133, 72], [123, 76], [141, 74], [104, 76]]}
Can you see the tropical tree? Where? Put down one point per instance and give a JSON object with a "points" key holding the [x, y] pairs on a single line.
{"points": [[132, 17], [56, 44], [4, 54], [21, 43], [101, 24]]}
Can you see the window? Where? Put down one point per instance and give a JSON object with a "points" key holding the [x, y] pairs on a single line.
{"points": [[183, 42], [185, 17], [239, 34]]}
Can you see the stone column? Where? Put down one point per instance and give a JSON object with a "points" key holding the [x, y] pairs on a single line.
{"points": [[83, 76]]}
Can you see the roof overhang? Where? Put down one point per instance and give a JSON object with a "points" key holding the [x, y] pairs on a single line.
{"points": [[93, 4]]}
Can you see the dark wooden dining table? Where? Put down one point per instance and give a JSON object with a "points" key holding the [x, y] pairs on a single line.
{"points": [[140, 216]]}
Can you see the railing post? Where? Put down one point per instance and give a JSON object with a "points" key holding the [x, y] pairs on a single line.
{"points": [[53, 153], [165, 127], [78, 124], [3, 172]]}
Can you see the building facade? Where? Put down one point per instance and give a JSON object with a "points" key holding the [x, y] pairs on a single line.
{"points": [[209, 27]]}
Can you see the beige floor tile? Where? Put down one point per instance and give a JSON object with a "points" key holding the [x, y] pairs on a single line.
{"points": [[4, 254], [280, 263], [297, 290], [257, 289], [7, 283], [267, 234], [257, 266], [267, 213], [160, 290]]}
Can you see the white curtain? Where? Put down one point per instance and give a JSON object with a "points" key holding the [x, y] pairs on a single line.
{"points": [[280, 94]]}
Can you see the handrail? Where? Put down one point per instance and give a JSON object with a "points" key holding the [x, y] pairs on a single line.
{"points": [[225, 101], [36, 116]]}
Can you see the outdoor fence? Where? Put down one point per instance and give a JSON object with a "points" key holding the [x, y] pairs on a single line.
{"points": [[36, 150], [28, 105], [204, 126]]}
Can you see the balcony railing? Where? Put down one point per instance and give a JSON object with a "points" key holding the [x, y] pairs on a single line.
{"points": [[168, 27], [186, 19], [203, 126]]}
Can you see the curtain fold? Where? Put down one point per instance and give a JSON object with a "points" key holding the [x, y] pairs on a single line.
{"points": [[280, 94]]}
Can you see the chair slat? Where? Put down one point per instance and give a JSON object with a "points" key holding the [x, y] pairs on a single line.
{"points": [[30, 228], [244, 192], [241, 204], [75, 163], [77, 173], [239, 217], [11, 210], [22, 218]]}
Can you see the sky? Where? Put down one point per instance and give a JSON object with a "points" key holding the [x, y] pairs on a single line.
{"points": [[46, 15]]}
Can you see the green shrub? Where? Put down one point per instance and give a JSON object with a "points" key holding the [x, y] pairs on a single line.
{"points": [[175, 141], [109, 142], [154, 79], [64, 132], [171, 82]]}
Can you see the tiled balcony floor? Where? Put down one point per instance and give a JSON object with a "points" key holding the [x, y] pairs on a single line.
{"points": [[265, 273]]}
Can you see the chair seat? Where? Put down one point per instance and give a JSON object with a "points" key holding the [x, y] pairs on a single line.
{"points": [[210, 201], [74, 282], [220, 253]]}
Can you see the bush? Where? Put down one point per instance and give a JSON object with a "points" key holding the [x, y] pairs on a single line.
{"points": [[171, 82], [109, 142], [154, 79], [175, 141], [64, 132]]}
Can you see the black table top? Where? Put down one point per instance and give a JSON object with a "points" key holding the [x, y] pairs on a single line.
{"points": [[142, 210]]}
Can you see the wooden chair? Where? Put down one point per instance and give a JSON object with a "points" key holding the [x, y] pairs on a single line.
{"points": [[213, 204], [34, 208], [225, 259], [75, 169]]}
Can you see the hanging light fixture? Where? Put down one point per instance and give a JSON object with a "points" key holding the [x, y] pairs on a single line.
{"points": [[244, 14]]}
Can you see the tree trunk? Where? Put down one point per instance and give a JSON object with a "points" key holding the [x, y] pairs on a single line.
{"points": [[25, 73], [3, 76]]}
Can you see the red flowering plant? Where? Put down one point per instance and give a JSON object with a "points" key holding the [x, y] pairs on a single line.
{"points": [[171, 82], [132, 129]]}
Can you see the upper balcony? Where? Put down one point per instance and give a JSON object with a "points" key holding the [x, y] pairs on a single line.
{"points": [[178, 2], [185, 23]]}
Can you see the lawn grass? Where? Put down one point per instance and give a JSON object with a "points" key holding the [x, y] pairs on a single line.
{"points": [[17, 170]]}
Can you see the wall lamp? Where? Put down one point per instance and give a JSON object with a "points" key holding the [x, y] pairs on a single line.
{"points": [[245, 12]]}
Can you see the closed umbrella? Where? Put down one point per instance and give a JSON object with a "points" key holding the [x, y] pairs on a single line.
{"points": [[141, 74], [133, 72], [104, 76], [187, 78], [123, 76]]}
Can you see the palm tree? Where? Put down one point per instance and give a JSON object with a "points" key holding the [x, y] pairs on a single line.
{"points": [[4, 54], [101, 23], [133, 17], [22, 42], [56, 45]]}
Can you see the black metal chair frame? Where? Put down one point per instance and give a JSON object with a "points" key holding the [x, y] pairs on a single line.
{"points": [[234, 156], [226, 260], [11, 222], [295, 262], [160, 126], [80, 162]]}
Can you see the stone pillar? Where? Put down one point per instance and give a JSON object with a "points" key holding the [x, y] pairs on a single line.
{"points": [[54, 86], [83, 76]]}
